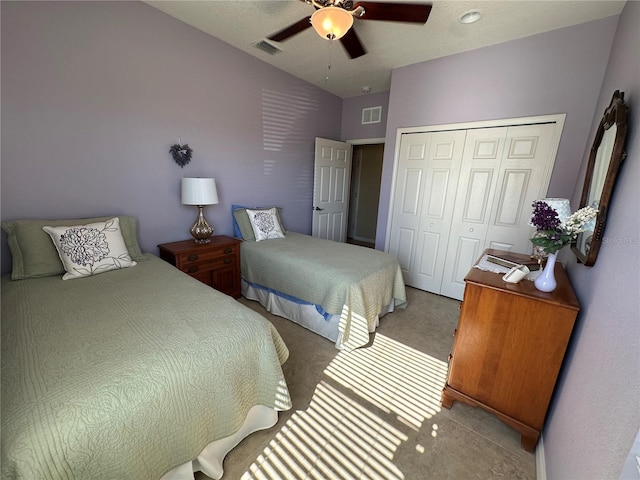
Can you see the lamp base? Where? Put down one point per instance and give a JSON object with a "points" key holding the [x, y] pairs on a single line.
{"points": [[202, 240], [201, 231]]}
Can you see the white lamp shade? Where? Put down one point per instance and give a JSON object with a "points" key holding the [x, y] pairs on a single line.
{"points": [[560, 205], [331, 22], [199, 191]]}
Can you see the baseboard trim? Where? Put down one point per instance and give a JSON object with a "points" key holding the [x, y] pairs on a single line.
{"points": [[362, 239], [541, 467]]}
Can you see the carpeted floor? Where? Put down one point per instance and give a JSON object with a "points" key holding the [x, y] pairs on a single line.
{"points": [[374, 413]]}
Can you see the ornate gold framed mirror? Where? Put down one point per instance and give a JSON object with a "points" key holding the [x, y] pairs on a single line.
{"points": [[607, 153]]}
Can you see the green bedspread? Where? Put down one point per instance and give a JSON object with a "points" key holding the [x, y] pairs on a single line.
{"points": [[353, 281], [129, 373]]}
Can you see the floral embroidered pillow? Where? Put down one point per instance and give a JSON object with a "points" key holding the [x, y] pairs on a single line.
{"points": [[90, 249], [265, 223]]}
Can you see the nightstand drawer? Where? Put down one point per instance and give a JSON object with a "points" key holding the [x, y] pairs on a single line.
{"points": [[206, 256], [207, 264]]}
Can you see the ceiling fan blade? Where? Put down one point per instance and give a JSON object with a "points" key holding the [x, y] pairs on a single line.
{"points": [[291, 30], [352, 44], [394, 12]]}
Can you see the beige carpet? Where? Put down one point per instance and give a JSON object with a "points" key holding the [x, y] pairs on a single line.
{"points": [[374, 413]]}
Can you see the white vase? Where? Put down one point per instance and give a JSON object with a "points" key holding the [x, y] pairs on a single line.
{"points": [[546, 281]]}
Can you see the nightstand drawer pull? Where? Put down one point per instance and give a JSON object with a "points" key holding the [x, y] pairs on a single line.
{"points": [[193, 269], [227, 261], [227, 250], [192, 258]]}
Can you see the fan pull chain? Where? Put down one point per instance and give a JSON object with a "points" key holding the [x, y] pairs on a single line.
{"points": [[326, 78]]}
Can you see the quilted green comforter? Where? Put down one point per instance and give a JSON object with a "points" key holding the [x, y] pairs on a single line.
{"points": [[129, 373], [353, 281]]}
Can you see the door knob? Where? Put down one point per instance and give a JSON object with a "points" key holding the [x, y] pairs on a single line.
{"points": [[318, 209]]}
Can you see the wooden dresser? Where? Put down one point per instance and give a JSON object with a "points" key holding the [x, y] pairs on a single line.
{"points": [[217, 263], [509, 346]]}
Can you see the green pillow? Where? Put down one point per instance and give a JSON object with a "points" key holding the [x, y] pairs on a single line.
{"points": [[34, 255], [244, 224]]}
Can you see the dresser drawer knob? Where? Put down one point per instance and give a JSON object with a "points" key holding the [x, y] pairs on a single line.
{"points": [[227, 261], [193, 257], [227, 250], [193, 269]]}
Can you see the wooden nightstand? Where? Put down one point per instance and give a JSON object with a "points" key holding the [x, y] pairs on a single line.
{"points": [[217, 263]]}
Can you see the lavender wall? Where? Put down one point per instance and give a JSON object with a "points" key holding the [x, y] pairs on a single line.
{"points": [[596, 416], [556, 72], [352, 128], [95, 93]]}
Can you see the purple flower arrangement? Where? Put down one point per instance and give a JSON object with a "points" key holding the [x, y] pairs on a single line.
{"points": [[552, 234]]}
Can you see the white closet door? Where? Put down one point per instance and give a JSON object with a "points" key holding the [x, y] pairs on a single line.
{"points": [[475, 192], [407, 201], [521, 181], [427, 175], [462, 188], [503, 172], [441, 177]]}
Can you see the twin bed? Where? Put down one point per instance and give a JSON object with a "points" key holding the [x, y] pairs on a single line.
{"points": [[337, 290], [334, 289], [139, 372], [144, 372]]}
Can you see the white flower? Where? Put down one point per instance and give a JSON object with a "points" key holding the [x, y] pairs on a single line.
{"points": [[575, 223]]}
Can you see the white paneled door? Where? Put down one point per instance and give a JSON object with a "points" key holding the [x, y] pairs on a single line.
{"points": [[429, 164], [332, 178], [458, 192]]}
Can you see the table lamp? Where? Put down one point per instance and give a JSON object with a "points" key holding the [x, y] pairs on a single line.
{"points": [[200, 192]]}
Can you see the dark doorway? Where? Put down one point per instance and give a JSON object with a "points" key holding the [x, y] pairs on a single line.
{"points": [[366, 174]]}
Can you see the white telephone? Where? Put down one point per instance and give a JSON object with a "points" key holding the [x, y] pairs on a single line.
{"points": [[516, 274]]}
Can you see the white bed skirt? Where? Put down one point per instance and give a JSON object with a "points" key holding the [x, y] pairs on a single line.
{"points": [[305, 315], [210, 459]]}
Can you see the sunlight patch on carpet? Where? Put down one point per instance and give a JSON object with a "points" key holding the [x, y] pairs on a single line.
{"points": [[393, 377], [335, 437], [343, 435]]}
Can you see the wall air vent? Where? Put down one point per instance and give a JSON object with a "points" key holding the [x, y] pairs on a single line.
{"points": [[371, 115], [267, 47]]}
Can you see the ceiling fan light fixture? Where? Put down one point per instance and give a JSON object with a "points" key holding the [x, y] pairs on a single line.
{"points": [[331, 23], [471, 16]]}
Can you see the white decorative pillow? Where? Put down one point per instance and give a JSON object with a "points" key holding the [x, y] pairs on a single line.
{"points": [[265, 223], [90, 249]]}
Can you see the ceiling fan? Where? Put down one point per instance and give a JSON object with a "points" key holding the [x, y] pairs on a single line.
{"points": [[333, 20]]}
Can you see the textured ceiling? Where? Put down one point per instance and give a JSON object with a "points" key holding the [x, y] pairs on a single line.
{"points": [[389, 45]]}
